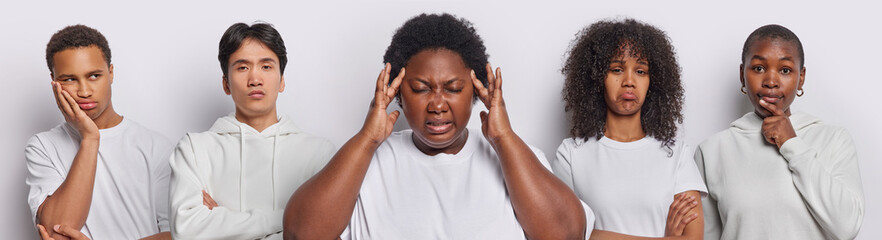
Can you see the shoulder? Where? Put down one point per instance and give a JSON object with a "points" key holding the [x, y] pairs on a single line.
{"points": [[49, 138], [139, 133]]}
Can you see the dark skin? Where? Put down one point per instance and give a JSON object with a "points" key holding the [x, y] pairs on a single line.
{"points": [[437, 94], [771, 75], [626, 86]]}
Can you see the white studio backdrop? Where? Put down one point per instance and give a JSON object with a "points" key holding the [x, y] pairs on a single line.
{"points": [[167, 76]]}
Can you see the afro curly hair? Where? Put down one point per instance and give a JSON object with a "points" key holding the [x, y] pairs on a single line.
{"points": [[75, 36], [434, 32], [588, 62]]}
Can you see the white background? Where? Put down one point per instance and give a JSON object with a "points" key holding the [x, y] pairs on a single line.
{"points": [[167, 76]]}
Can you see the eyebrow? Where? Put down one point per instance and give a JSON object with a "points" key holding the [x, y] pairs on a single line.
{"points": [[427, 82], [64, 76], [238, 61]]}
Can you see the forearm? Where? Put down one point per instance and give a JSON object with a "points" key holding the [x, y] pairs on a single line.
{"points": [[830, 187], [322, 207], [69, 204], [159, 236], [545, 206], [607, 235]]}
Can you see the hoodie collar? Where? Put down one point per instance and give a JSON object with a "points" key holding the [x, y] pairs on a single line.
{"points": [[751, 122], [230, 125]]}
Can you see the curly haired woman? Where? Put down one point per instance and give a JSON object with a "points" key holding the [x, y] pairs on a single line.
{"points": [[623, 96]]}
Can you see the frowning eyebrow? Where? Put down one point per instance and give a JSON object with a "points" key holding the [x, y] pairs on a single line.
{"points": [[448, 82], [67, 75], [641, 62]]}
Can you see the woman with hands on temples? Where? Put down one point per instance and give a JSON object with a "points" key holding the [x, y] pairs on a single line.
{"points": [[437, 180]]}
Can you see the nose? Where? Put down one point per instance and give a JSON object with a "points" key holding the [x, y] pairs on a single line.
{"points": [[438, 104], [254, 78], [771, 80], [84, 89], [628, 79]]}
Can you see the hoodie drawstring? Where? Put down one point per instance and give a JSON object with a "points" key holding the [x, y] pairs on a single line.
{"points": [[241, 164], [273, 165]]}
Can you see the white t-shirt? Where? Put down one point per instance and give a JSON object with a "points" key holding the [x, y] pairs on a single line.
{"points": [[629, 186], [130, 194], [407, 194]]}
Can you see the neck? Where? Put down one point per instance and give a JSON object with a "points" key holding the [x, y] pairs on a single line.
{"points": [[623, 128], [108, 119], [258, 122], [453, 148]]}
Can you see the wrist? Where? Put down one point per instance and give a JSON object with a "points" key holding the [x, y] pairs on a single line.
{"points": [[90, 139]]}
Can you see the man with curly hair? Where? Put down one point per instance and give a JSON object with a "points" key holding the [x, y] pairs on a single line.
{"points": [[623, 96], [98, 175]]}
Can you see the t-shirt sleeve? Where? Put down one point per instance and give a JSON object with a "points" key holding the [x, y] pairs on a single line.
{"points": [[541, 156], [562, 165], [161, 172], [687, 176], [44, 174]]}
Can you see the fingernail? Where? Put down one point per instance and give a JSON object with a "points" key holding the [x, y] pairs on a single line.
{"points": [[56, 227]]}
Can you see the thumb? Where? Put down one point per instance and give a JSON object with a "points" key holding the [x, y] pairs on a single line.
{"points": [[393, 117], [483, 116], [771, 108]]}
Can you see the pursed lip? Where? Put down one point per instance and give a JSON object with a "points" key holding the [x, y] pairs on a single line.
{"points": [[87, 104], [439, 126], [629, 96], [257, 93], [770, 97]]}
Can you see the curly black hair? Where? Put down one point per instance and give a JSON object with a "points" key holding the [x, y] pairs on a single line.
{"points": [[587, 65], [773, 31], [75, 36], [433, 32]]}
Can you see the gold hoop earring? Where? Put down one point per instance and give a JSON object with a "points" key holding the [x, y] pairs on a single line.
{"points": [[799, 92], [742, 90]]}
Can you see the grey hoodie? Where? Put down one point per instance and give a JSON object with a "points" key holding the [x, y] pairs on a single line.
{"points": [[250, 174], [808, 189]]}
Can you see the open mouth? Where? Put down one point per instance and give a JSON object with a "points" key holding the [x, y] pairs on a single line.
{"points": [[439, 126]]}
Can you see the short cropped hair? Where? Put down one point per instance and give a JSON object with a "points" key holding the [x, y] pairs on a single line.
{"points": [[773, 31], [75, 36]]}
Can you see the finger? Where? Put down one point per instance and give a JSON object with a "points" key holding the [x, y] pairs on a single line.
{"points": [[393, 89], [75, 108], [498, 79], [479, 87], [483, 116], [380, 87], [393, 116], [57, 93], [491, 81], [62, 101], [69, 232], [771, 108], [388, 70], [687, 205], [672, 209], [43, 233], [688, 219]]}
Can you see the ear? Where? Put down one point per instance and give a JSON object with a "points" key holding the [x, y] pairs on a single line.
{"points": [[741, 74], [801, 78], [226, 84], [282, 84], [110, 73]]}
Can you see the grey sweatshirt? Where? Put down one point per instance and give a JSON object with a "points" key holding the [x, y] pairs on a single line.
{"points": [[808, 189]]}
